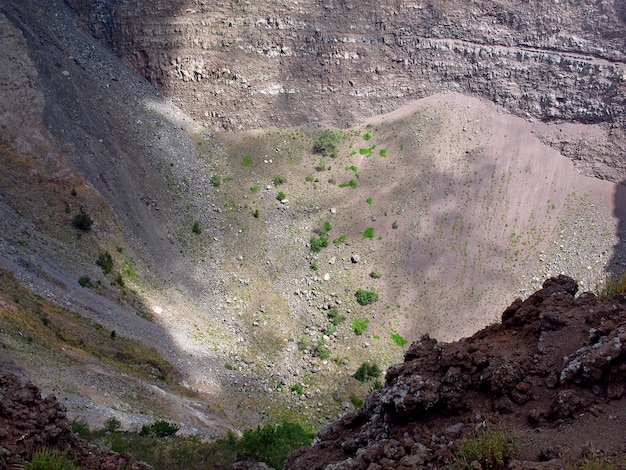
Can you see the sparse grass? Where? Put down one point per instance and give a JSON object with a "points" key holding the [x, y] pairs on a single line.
{"points": [[356, 401], [612, 286], [50, 459], [254, 189], [491, 448], [339, 240], [278, 180], [247, 161]]}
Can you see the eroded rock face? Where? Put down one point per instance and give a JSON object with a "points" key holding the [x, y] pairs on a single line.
{"points": [[553, 357], [236, 65], [29, 421]]}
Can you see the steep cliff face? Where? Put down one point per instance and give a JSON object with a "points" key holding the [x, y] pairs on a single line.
{"points": [[237, 65], [554, 368]]}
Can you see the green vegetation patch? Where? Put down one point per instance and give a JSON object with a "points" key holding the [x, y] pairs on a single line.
{"points": [[359, 325], [366, 297], [247, 161], [328, 143], [490, 448], [318, 243], [398, 339], [369, 232], [82, 221], [105, 261], [367, 151], [335, 317], [367, 371]]}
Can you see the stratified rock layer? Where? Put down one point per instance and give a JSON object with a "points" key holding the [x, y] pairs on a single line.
{"points": [[238, 65], [553, 357]]}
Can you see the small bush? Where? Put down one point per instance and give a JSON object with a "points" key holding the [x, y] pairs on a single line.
{"points": [[330, 330], [119, 280], [350, 183], [366, 297], [328, 143], [254, 189], [367, 371], [81, 429], [340, 239], [369, 232], [336, 318], [112, 425], [318, 243], [356, 401], [281, 196], [370, 201], [247, 161], [159, 429], [359, 325], [492, 449], [299, 389], [278, 180], [273, 444], [50, 459], [105, 261], [367, 136], [326, 227], [82, 221], [394, 225], [196, 228], [216, 180], [321, 350], [85, 281], [375, 274]]}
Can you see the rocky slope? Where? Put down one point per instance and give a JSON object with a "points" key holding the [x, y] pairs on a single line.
{"points": [[555, 363], [242, 65], [29, 422]]}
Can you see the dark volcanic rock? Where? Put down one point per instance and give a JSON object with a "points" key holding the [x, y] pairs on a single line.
{"points": [[500, 375], [28, 422]]}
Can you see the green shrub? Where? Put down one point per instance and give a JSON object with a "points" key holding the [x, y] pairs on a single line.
{"points": [[326, 227], [399, 340], [359, 325], [81, 429], [367, 136], [82, 221], [278, 180], [112, 425], [339, 239], [298, 388], [330, 330], [321, 350], [350, 183], [254, 189], [328, 143], [491, 448], [383, 152], [367, 371], [370, 201], [273, 444], [216, 180], [196, 228], [356, 401], [318, 243], [281, 196], [366, 297], [369, 232], [336, 318], [394, 225], [49, 459], [247, 161], [375, 274], [159, 429], [85, 281], [105, 261]]}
